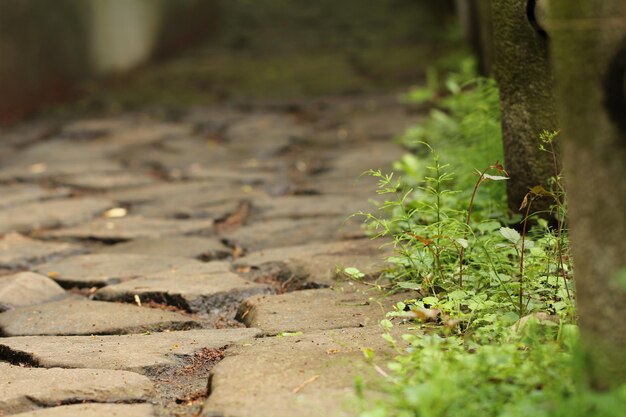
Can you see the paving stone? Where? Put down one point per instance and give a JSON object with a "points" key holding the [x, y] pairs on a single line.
{"points": [[33, 171], [101, 181], [383, 123], [130, 227], [212, 199], [319, 263], [15, 194], [52, 213], [59, 157], [145, 132], [29, 132], [345, 172], [93, 409], [18, 251], [176, 154], [263, 134], [140, 353], [199, 171], [206, 249], [298, 207], [350, 305], [297, 376], [27, 288], [101, 269], [95, 128], [289, 232], [27, 389], [78, 316], [195, 292]]}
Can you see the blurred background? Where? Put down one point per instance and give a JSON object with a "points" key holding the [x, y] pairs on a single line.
{"points": [[113, 55]]}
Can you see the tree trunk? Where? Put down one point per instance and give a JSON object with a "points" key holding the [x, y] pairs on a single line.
{"points": [[589, 54], [526, 82]]}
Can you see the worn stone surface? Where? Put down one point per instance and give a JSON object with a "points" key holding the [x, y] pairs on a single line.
{"points": [[141, 353], [321, 263], [263, 134], [105, 180], [288, 232], [78, 316], [305, 375], [19, 194], [27, 288], [26, 389], [349, 305], [131, 227], [200, 293], [206, 249], [263, 193], [101, 269], [18, 251], [92, 410], [52, 213], [36, 169], [298, 207]]}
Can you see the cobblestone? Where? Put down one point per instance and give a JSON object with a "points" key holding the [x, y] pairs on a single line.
{"points": [[199, 261]]}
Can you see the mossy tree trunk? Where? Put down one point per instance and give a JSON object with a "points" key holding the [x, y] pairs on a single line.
{"points": [[524, 75], [589, 54]]}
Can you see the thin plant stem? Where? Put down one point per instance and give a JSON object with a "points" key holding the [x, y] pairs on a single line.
{"points": [[521, 259], [467, 223]]}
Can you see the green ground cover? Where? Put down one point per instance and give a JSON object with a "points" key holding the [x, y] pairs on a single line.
{"points": [[491, 330]]}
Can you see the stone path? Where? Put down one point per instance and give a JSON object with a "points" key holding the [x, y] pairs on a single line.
{"points": [[193, 265]]}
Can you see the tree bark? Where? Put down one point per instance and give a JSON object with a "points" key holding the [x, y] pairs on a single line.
{"points": [[524, 75], [589, 54]]}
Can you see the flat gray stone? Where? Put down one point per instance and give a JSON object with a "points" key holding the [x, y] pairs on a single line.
{"points": [[27, 288], [138, 352], [101, 181], [15, 194], [263, 135], [307, 375], [18, 251], [206, 249], [206, 199], [93, 409], [101, 269], [199, 171], [195, 292], [319, 263], [131, 227], [298, 207], [187, 208], [349, 305], [78, 316], [59, 157], [289, 232], [52, 213], [95, 128], [143, 133], [27, 389]]}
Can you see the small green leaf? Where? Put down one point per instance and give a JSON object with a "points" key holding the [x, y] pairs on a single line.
{"points": [[511, 235], [386, 324], [353, 273], [463, 242], [410, 285], [288, 334], [495, 177]]}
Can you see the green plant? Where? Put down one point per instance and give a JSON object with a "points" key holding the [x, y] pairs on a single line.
{"points": [[491, 317]]}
